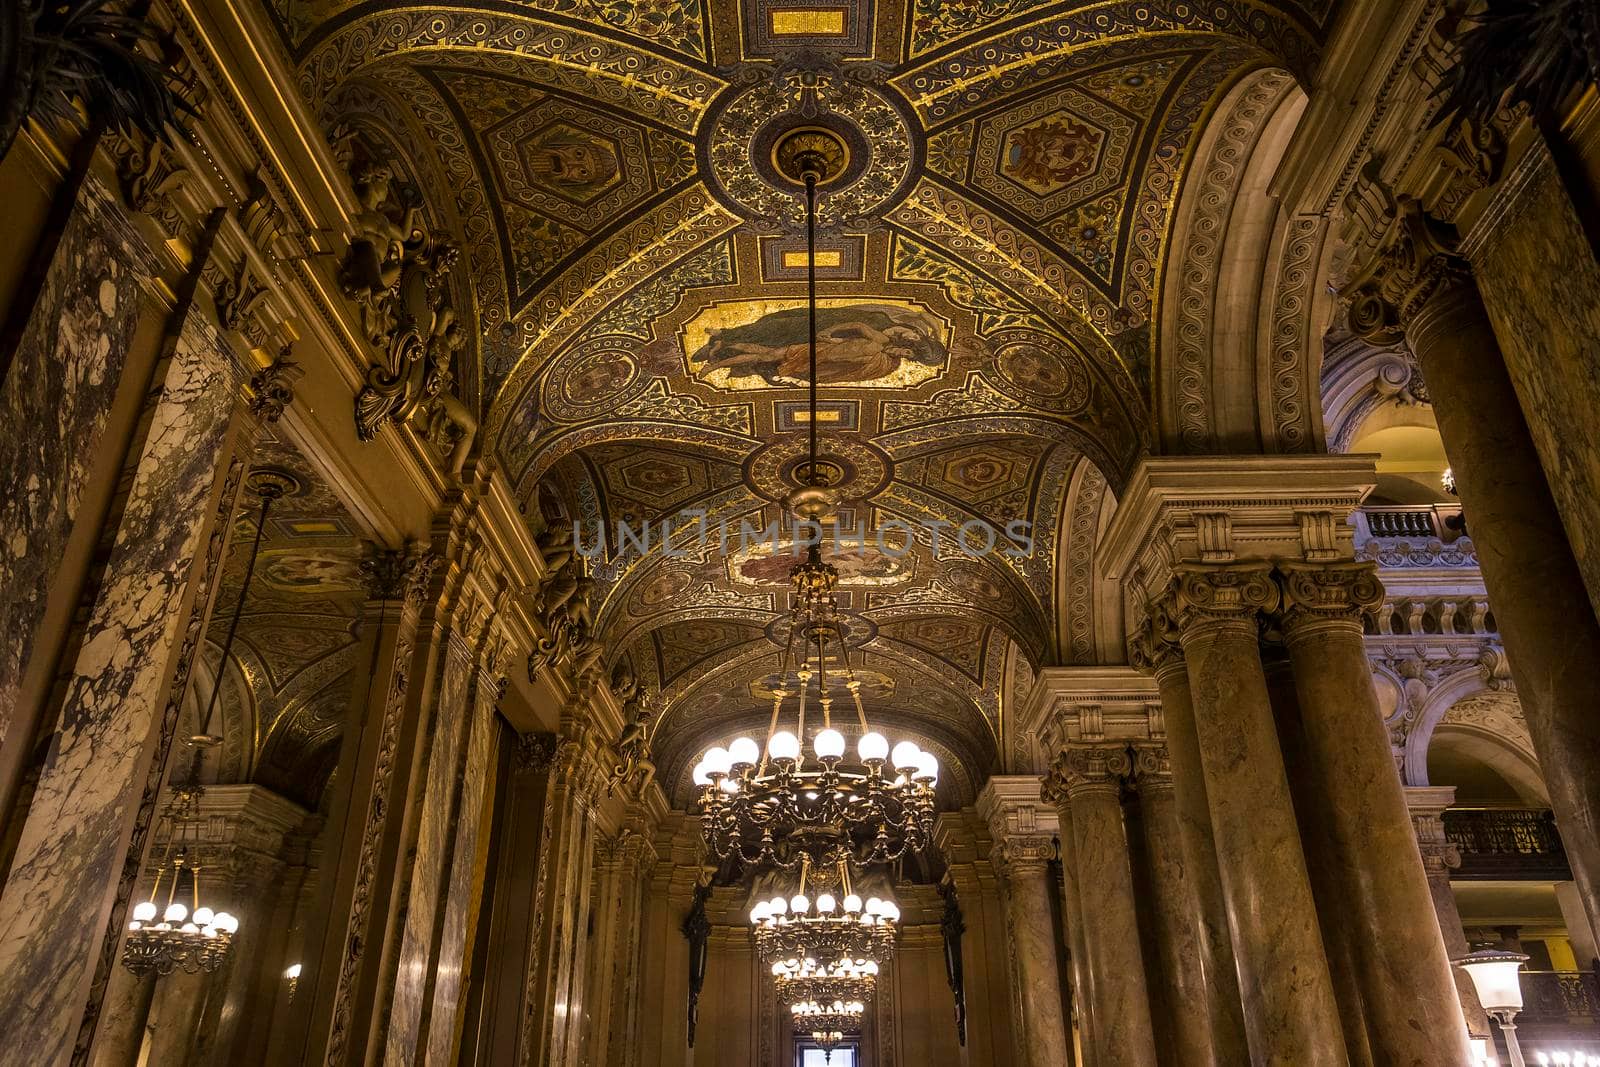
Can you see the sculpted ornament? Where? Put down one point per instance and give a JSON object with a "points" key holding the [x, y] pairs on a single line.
{"points": [[398, 574], [1416, 260], [272, 387], [1088, 768], [562, 603], [1220, 592], [633, 743], [398, 275], [1328, 591]]}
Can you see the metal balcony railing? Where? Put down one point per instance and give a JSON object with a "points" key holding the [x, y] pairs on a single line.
{"points": [[1506, 843], [1560, 997]]}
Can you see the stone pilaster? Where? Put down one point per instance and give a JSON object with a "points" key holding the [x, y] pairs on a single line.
{"points": [[1090, 777], [339, 983], [985, 947], [612, 1031], [557, 967], [1417, 287], [66, 891], [1023, 831]]}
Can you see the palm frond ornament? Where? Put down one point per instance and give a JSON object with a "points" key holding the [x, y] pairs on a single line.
{"points": [[1533, 52], [56, 52]]}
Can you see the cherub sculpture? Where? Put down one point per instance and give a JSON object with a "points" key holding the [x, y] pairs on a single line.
{"points": [[633, 743]]}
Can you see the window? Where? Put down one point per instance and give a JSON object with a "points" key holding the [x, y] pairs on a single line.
{"points": [[808, 1054]]}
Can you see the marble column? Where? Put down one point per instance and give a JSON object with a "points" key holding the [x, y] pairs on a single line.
{"points": [[1173, 913], [415, 964], [465, 870], [1290, 1014], [1157, 652], [1323, 861], [1427, 805], [1418, 288], [120, 1035], [557, 967], [1072, 918], [336, 1000], [612, 1028], [1409, 995], [62, 899], [1092, 776], [1024, 866]]}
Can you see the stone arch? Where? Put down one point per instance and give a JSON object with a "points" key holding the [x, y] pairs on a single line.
{"points": [[1245, 309], [1482, 722]]}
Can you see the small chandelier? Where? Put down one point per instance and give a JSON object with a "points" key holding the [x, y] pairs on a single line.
{"points": [[827, 1024], [805, 939], [190, 935], [164, 936]]}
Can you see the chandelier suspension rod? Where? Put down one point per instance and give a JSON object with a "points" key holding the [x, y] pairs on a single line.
{"points": [[268, 493], [813, 475]]}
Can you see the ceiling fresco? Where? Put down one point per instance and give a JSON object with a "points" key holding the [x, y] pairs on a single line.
{"points": [[988, 269]]}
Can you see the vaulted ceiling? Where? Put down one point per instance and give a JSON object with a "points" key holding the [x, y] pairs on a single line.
{"points": [[988, 276]]}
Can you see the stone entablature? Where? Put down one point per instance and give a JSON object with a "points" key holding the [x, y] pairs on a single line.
{"points": [[1069, 705]]}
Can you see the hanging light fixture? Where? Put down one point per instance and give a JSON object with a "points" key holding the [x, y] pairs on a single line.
{"points": [[835, 934], [827, 1024], [166, 934], [756, 801]]}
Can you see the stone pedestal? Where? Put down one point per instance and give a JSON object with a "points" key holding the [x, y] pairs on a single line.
{"points": [[1023, 847], [1091, 777], [1409, 998], [1290, 1013], [1419, 289]]}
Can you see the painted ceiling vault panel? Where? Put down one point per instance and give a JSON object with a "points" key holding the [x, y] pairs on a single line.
{"points": [[988, 274]]}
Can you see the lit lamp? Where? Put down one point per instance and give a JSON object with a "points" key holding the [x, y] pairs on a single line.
{"points": [[293, 975], [1494, 976]]}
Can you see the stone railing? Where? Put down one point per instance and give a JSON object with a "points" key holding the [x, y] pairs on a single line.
{"points": [[1425, 535], [1506, 843]]}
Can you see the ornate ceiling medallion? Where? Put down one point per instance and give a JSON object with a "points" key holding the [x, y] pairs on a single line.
{"points": [[810, 107]]}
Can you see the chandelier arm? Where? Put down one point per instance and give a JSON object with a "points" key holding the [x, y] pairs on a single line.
{"points": [[269, 492]]}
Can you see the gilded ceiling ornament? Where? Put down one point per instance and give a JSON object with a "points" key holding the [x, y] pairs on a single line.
{"points": [[870, 145]]}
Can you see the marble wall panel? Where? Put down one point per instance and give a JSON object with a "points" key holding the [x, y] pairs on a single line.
{"points": [[54, 406], [450, 717], [464, 876], [1550, 335], [60, 889]]}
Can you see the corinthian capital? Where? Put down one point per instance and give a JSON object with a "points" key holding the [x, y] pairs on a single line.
{"points": [[398, 575], [1017, 853], [1328, 592], [1081, 769], [1416, 260], [1154, 647], [1152, 768], [1202, 592]]}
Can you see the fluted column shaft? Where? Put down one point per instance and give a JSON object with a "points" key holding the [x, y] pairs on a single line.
{"points": [[1025, 865], [1172, 916], [1163, 657], [1290, 1014], [1408, 994], [1421, 289], [1091, 777]]}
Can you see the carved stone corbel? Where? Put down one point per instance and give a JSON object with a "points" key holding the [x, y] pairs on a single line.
{"points": [[1416, 259], [272, 387]]}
